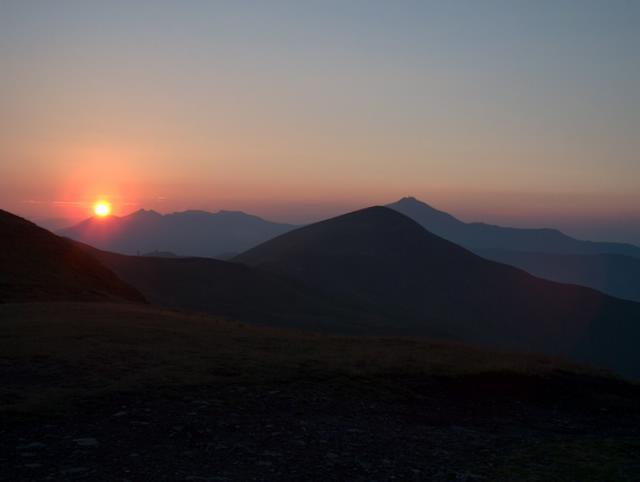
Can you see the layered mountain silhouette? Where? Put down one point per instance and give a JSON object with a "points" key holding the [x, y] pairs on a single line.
{"points": [[613, 274], [613, 268], [386, 260], [477, 236], [371, 272], [36, 265], [224, 234], [187, 233]]}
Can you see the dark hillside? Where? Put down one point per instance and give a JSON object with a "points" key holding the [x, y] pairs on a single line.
{"points": [[36, 265], [387, 260], [238, 291]]}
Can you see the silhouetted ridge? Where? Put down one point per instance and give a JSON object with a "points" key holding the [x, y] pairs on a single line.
{"points": [[374, 231], [614, 274], [187, 233], [482, 236], [146, 213], [410, 206], [36, 265]]}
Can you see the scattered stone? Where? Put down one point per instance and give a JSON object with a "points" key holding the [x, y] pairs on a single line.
{"points": [[33, 445], [74, 470], [270, 453], [86, 442]]}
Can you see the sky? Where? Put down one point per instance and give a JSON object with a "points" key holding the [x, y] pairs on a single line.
{"points": [[512, 112]]}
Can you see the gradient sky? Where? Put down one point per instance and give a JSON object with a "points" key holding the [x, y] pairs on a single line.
{"points": [[521, 113]]}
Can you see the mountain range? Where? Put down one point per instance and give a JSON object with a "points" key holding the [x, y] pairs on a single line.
{"points": [[186, 233], [370, 272], [478, 236], [433, 287], [613, 268]]}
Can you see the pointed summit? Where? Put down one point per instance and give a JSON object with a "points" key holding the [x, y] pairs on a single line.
{"points": [[432, 219], [144, 213], [482, 236]]}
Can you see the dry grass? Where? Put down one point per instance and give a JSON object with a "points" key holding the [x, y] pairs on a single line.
{"points": [[54, 352]]}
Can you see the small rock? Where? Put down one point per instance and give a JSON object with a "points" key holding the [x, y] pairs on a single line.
{"points": [[74, 470], [270, 453], [33, 445], [86, 442]]}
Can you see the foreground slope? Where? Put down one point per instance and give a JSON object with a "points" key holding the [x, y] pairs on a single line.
{"points": [[129, 392], [136, 345], [36, 265], [487, 236], [435, 287], [187, 233]]}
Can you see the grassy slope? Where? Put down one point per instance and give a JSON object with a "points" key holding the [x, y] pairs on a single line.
{"points": [[57, 351]]}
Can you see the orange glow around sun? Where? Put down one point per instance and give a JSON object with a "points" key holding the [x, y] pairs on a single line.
{"points": [[102, 209]]}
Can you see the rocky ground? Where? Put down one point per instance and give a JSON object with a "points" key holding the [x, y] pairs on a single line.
{"points": [[111, 392], [489, 428]]}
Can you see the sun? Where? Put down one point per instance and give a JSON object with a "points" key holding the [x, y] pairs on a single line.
{"points": [[102, 209]]}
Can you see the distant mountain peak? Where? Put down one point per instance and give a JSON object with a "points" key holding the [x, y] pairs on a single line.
{"points": [[190, 232], [478, 235], [412, 200], [145, 212], [419, 211]]}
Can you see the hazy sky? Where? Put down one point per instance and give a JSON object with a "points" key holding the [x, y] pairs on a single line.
{"points": [[526, 113]]}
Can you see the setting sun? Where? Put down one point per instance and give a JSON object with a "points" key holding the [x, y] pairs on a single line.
{"points": [[102, 209]]}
